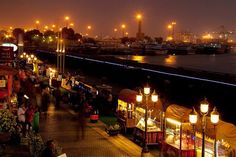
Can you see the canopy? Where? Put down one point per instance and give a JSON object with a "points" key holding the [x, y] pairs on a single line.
{"points": [[128, 95], [177, 112]]}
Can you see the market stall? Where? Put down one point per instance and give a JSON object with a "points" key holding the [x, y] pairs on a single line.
{"points": [[126, 108], [154, 123], [178, 139], [225, 135]]}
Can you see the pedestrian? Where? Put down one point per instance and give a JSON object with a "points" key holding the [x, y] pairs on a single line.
{"points": [[35, 121], [29, 115], [45, 100], [82, 121], [21, 118]]}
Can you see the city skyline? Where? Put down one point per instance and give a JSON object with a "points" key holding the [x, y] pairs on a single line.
{"points": [[106, 15]]}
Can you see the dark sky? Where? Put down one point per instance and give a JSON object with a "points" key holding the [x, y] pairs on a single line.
{"points": [[104, 15]]}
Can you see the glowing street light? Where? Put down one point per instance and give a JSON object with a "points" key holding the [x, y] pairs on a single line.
{"points": [[71, 24], [115, 31], [37, 22], [193, 118], [89, 27], [139, 33], [139, 98], [67, 18], [123, 26]]}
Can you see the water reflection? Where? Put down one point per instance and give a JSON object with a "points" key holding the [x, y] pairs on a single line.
{"points": [[170, 60], [139, 59]]}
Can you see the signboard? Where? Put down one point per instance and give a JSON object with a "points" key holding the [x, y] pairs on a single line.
{"points": [[6, 54], [2, 83]]}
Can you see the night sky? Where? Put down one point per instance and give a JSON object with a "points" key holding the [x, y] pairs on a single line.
{"points": [[104, 15]]}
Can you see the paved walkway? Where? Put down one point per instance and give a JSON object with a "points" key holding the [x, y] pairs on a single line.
{"points": [[62, 126]]}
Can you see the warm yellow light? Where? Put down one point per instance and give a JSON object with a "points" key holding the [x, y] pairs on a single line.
{"points": [[32, 56], [71, 24], [207, 36], [53, 26], [138, 16], [126, 33], [46, 27], [204, 106], [154, 97], [21, 56], [7, 36], [24, 53], [89, 27], [10, 27], [67, 18], [215, 117], [169, 38], [193, 117], [146, 90], [123, 26], [173, 121], [173, 23], [37, 22], [35, 58], [115, 30], [139, 98], [169, 26]]}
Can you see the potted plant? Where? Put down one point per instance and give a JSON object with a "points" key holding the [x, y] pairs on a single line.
{"points": [[113, 130], [7, 125]]}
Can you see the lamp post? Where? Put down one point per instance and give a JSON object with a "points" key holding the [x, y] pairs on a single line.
{"points": [[204, 108], [215, 117], [67, 18], [123, 26], [139, 98], [115, 31], [139, 19], [193, 120], [37, 22], [173, 30]]}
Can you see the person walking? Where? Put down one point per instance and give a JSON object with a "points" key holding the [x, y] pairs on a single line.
{"points": [[21, 118], [35, 121], [45, 100], [82, 121], [29, 115]]}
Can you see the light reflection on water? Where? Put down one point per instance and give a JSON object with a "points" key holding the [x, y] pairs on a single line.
{"points": [[223, 63]]}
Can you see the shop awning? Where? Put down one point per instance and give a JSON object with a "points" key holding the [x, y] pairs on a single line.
{"points": [[128, 95], [178, 113], [7, 70]]}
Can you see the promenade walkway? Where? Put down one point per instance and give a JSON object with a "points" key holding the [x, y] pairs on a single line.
{"points": [[62, 125]]}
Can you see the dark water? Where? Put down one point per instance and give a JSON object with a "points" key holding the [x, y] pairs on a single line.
{"points": [[171, 90], [223, 63]]}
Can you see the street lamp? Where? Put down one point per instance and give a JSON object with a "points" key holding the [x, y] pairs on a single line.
{"points": [[193, 120], [123, 26], [204, 108], [37, 22], [67, 18], [139, 18], [139, 99], [115, 30], [173, 29]]}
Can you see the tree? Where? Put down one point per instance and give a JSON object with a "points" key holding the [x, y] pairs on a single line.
{"points": [[68, 33], [49, 33], [33, 37], [77, 36]]}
